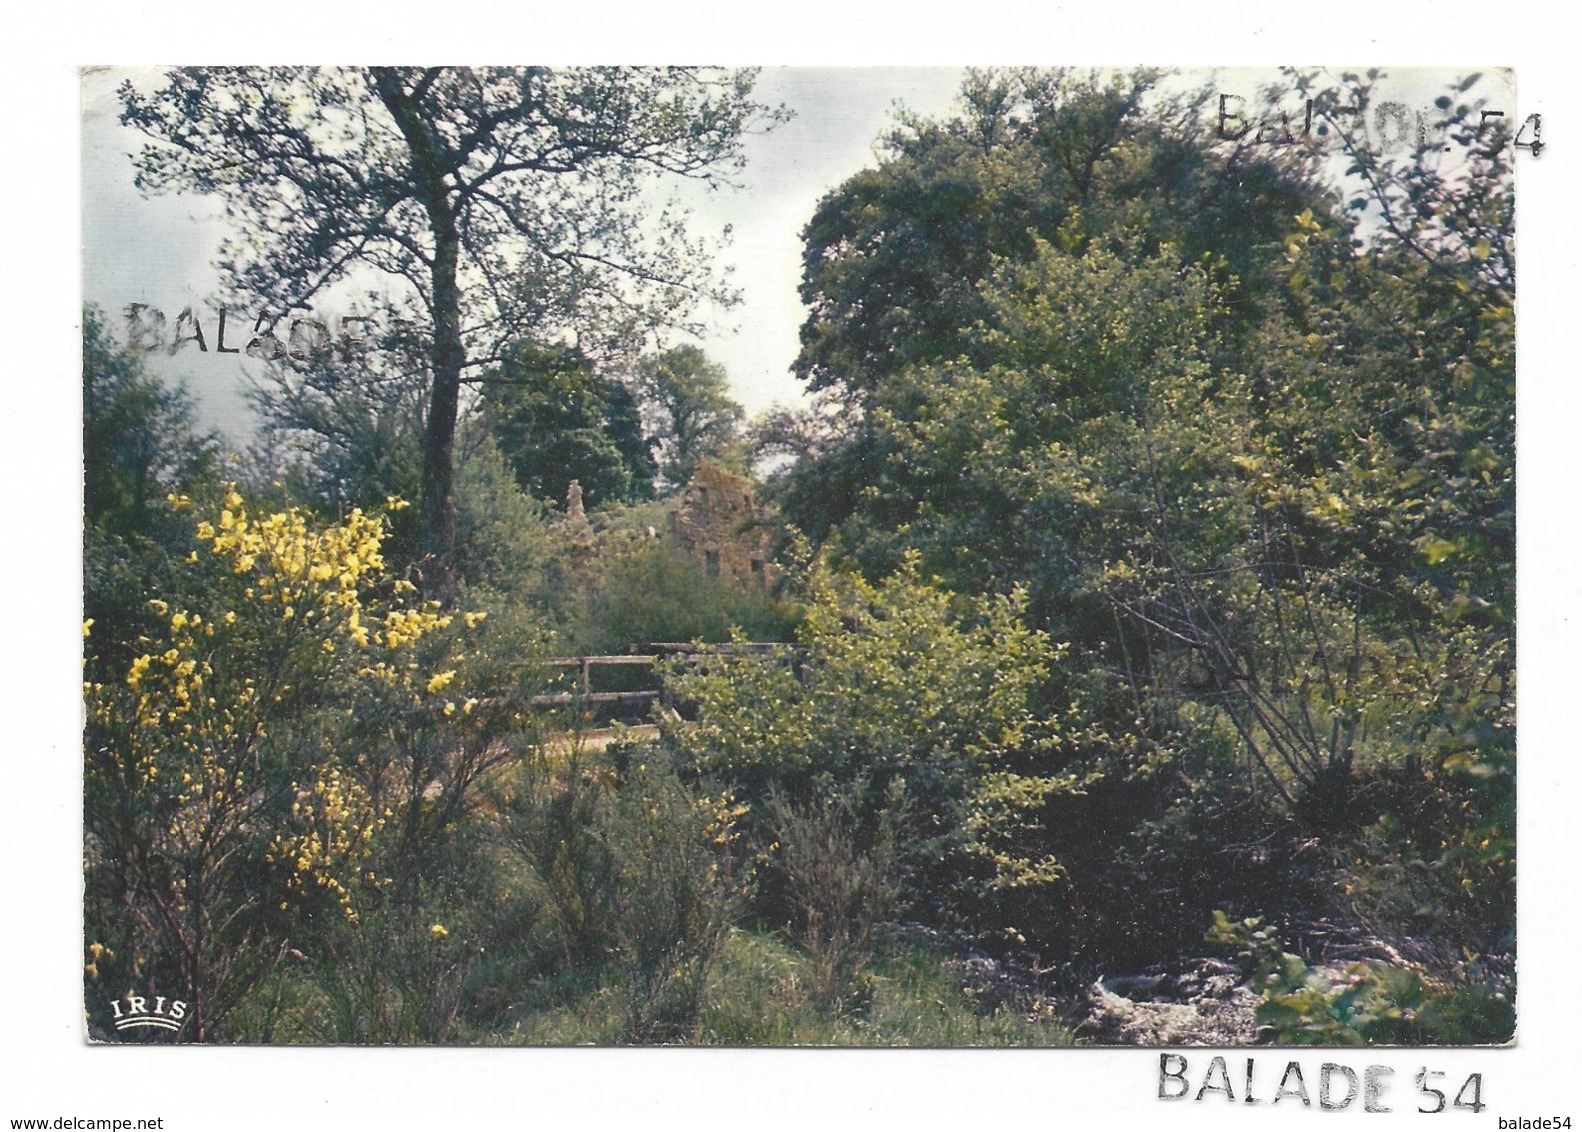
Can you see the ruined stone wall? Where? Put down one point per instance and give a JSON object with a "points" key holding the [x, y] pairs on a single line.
{"points": [[721, 525]]}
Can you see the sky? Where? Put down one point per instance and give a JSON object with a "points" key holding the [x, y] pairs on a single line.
{"points": [[158, 250]]}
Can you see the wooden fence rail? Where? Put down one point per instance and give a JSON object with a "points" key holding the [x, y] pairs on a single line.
{"points": [[655, 652]]}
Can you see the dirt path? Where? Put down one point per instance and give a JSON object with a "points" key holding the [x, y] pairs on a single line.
{"points": [[597, 739]]}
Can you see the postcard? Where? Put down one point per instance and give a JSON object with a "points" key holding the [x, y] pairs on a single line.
{"points": [[805, 559]]}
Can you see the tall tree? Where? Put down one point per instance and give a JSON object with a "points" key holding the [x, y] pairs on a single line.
{"points": [[556, 419], [897, 259], [509, 200], [696, 417]]}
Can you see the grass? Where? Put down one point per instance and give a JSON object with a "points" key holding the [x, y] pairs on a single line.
{"points": [[758, 995]]}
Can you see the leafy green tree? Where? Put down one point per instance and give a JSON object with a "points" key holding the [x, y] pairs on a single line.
{"points": [[556, 419], [696, 417], [896, 258], [140, 442], [508, 557], [508, 201], [140, 445], [344, 432]]}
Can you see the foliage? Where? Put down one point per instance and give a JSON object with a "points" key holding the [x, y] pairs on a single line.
{"points": [[678, 888], [398, 980], [895, 693], [637, 872], [139, 440], [548, 817], [140, 445], [555, 419], [343, 432], [230, 789], [838, 890], [507, 202], [696, 418], [1379, 1005], [509, 557], [894, 256], [652, 591], [1086, 371], [761, 995], [1372, 1004], [895, 259]]}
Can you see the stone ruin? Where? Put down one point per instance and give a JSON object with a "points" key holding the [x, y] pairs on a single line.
{"points": [[717, 522], [721, 525]]}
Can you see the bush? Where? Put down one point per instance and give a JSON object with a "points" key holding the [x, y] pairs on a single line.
{"points": [[549, 817], [839, 891], [1371, 1004], [678, 889], [1380, 1005], [895, 694], [652, 591], [238, 779], [638, 874]]}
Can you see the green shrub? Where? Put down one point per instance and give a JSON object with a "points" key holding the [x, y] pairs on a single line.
{"points": [[896, 693], [1374, 1004], [678, 890], [652, 591], [639, 876], [548, 815], [1380, 1005], [398, 979], [839, 890]]}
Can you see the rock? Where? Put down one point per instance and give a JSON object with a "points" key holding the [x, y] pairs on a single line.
{"points": [[1205, 1005]]}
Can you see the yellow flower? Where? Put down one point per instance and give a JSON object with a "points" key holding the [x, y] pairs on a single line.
{"points": [[441, 681], [438, 931]]}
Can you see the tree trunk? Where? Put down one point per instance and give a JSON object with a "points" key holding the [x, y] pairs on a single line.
{"points": [[437, 566]]}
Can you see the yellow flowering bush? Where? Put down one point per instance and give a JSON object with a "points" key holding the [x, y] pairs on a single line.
{"points": [[240, 770]]}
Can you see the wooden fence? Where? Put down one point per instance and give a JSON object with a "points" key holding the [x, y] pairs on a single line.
{"points": [[647, 654]]}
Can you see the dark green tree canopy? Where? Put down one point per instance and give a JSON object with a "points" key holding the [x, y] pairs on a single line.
{"points": [[1290, 502], [556, 419], [898, 259], [139, 439], [140, 445], [894, 256]]}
